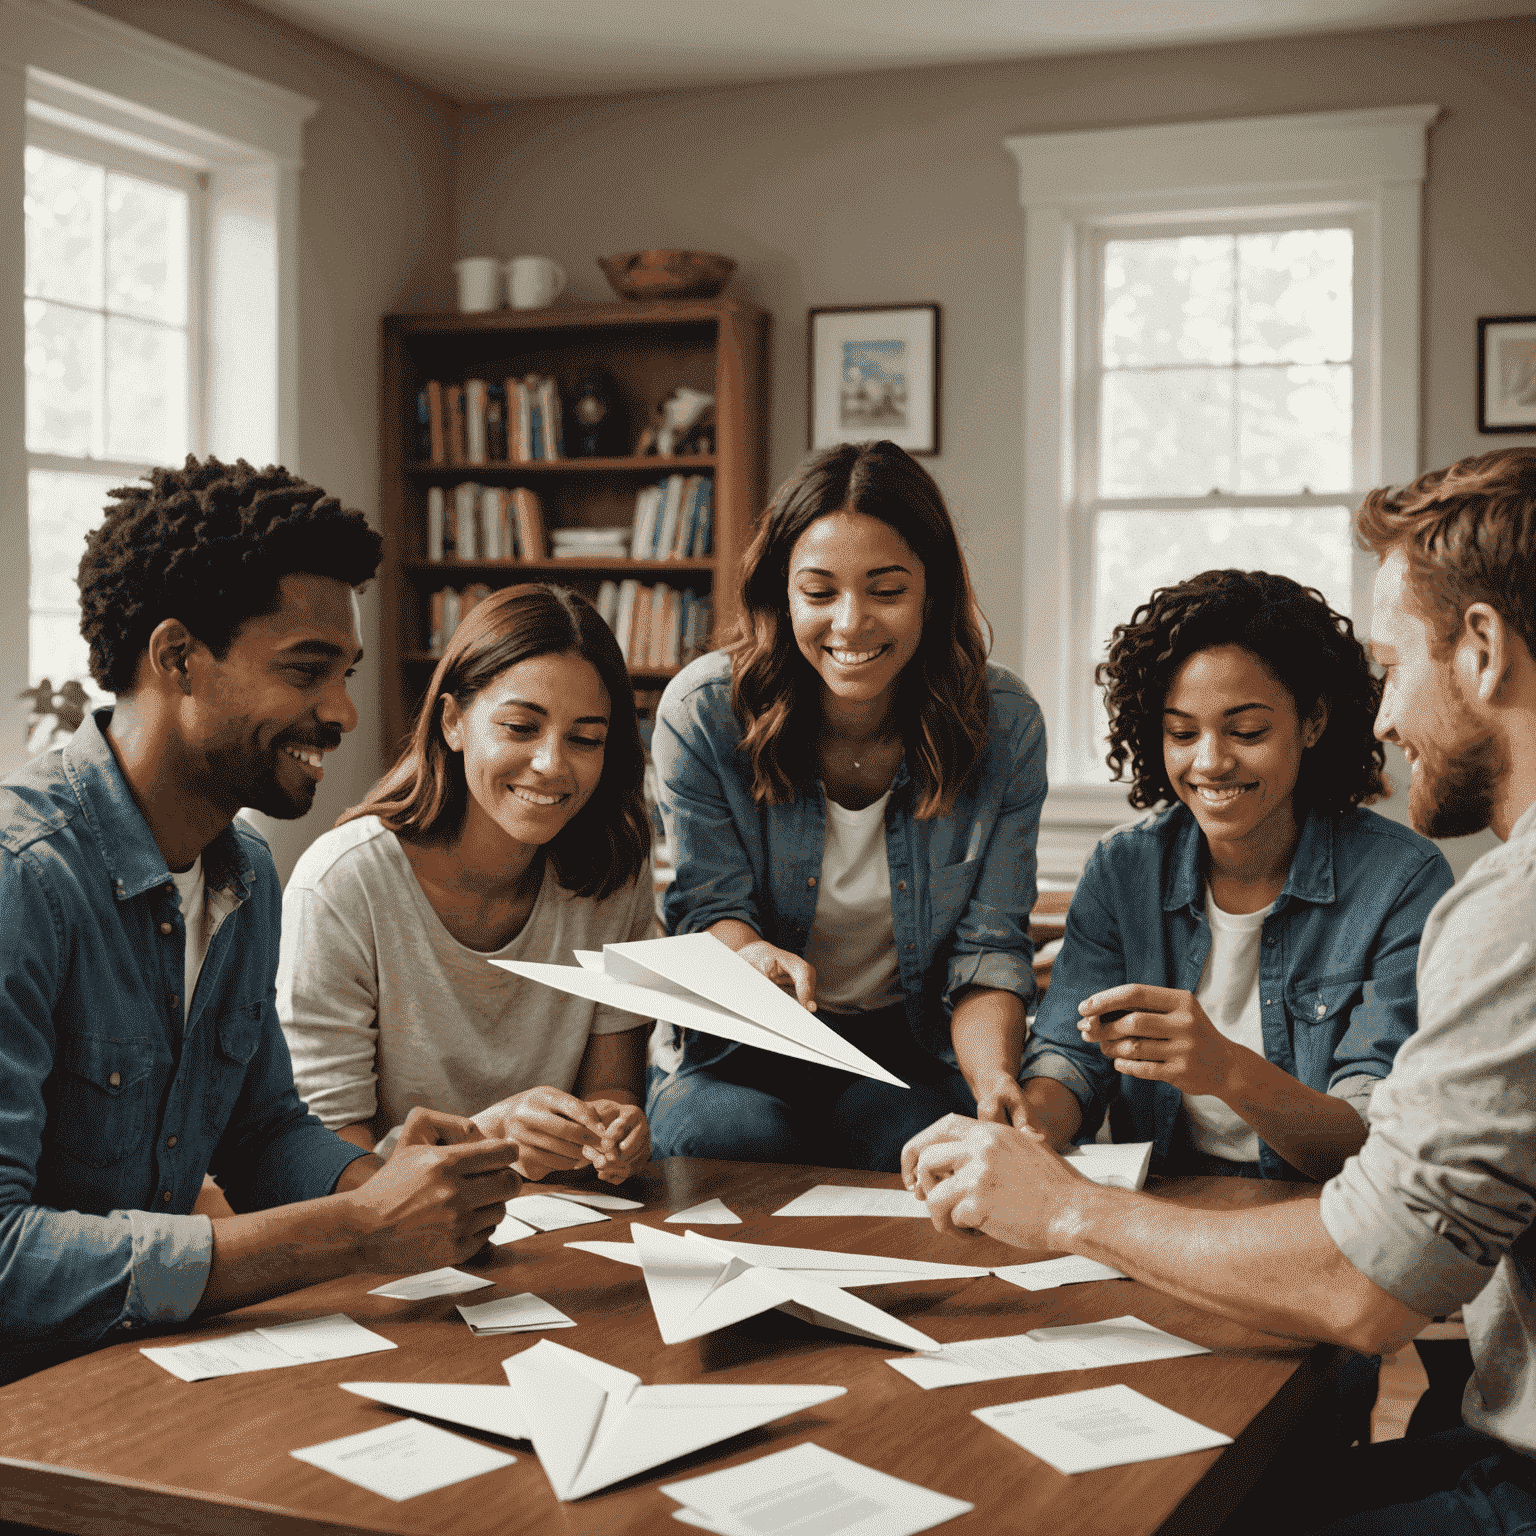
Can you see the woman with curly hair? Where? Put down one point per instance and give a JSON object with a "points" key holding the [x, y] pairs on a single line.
{"points": [[852, 795], [1238, 968]]}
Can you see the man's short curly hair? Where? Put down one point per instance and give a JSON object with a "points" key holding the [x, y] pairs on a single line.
{"points": [[207, 544], [1309, 649]]}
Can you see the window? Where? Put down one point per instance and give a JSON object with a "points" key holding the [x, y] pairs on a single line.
{"points": [[1221, 327]]}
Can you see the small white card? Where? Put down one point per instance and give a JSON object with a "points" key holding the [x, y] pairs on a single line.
{"points": [[1102, 1427], [1047, 1274], [431, 1282], [708, 1213], [549, 1213], [510, 1230], [404, 1459], [594, 1198], [809, 1491], [515, 1314], [849, 1200], [335, 1337]]}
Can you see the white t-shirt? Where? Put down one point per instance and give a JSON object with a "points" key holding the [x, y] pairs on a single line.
{"points": [[385, 1010], [191, 895], [1229, 993], [852, 942]]}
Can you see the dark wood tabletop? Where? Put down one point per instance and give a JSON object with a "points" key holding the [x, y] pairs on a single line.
{"points": [[112, 1443]]}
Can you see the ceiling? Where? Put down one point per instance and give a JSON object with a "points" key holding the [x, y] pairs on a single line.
{"points": [[481, 51]]}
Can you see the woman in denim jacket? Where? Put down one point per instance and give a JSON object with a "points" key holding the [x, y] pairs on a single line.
{"points": [[852, 796], [1238, 968]]}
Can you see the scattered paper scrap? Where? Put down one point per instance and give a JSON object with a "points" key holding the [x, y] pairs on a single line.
{"points": [[515, 1314], [595, 1198], [1047, 1274], [850, 1200], [431, 1282], [1102, 1427], [1075, 1347], [708, 1213], [335, 1337], [808, 1489], [528, 1215], [510, 1229], [1121, 1165], [404, 1459]]}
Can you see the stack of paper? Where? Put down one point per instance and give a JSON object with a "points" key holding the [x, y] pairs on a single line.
{"points": [[807, 1489], [1076, 1347], [528, 1215], [693, 980], [431, 1282], [403, 1460], [515, 1314], [318, 1338], [1047, 1274]]}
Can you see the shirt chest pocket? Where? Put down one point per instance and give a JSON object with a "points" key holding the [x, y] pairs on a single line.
{"points": [[236, 1038], [1325, 1002], [949, 892], [107, 1098]]}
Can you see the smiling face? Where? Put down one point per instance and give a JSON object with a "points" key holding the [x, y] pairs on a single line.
{"points": [[857, 599], [261, 718], [533, 742], [1232, 746]]}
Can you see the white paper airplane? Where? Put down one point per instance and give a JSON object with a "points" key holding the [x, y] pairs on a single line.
{"points": [[592, 1424], [694, 980], [1120, 1165], [698, 1284]]}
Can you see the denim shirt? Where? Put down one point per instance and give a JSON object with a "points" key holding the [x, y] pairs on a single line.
{"points": [[111, 1106], [1337, 994], [962, 885]]}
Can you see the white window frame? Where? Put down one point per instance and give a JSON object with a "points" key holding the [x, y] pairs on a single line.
{"points": [[1365, 167]]}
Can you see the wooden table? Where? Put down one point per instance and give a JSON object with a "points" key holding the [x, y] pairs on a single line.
{"points": [[112, 1443]]}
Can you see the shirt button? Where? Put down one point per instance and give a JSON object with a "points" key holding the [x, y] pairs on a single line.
{"points": [[165, 927], [116, 1079], [166, 1197], [811, 883], [170, 1141], [1322, 1008], [901, 885], [175, 998]]}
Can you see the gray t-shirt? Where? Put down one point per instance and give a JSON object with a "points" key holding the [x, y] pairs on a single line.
{"points": [[385, 1010], [1438, 1206]]}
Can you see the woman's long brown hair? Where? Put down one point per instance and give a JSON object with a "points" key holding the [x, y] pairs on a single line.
{"points": [[424, 796], [943, 697]]}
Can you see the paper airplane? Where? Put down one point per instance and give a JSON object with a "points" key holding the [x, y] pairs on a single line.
{"points": [[592, 1424], [709, 1213], [698, 1284], [1120, 1165], [693, 980]]}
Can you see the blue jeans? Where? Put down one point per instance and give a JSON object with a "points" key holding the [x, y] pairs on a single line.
{"points": [[758, 1107]]}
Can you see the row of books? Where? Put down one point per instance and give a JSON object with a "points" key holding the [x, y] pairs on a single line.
{"points": [[490, 421], [449, 609], [656, 626], [485, 522], [674, 519]]}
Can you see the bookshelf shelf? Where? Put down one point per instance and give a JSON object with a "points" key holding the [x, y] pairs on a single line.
{"points": [[645, 351]]}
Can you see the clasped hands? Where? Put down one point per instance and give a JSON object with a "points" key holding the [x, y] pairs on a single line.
{"points": [[558, 1132]]}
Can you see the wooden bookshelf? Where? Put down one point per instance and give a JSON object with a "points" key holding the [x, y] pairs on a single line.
{"points": [[646, 350]]}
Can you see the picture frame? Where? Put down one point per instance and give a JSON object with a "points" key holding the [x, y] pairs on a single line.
{"points": [[873, 372], [1506, 373]]}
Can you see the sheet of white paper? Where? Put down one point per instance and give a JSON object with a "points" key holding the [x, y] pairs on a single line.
{"points": [[848, 1200], [593, 1198], [1075, 1347], [431, 1282], [709, 1213], [1121, 1165], [262, 1349], [510, 1229], [515, 1314], [811, 1492], [333, 1337], [1102, 1427], [491, 1409], [1047, 1274], [550, 1214], [405, 1459]]}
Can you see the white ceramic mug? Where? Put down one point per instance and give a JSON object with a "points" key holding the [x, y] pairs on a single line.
{"points": [[534, 281], [479, 283]]}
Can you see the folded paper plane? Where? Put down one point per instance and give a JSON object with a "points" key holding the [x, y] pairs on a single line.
{"points": [[592, 1424], [698, 1284], [692, 979]]}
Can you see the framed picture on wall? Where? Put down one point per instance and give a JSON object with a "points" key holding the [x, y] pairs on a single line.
{"points": [[1506, 373], [874, 373]]}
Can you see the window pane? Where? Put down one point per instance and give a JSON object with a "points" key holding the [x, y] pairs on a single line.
{"points": [[1166, 433], [61, 510], [64, 228], [1295, 428], [146, 249], [64, 373], [1168, 301], [146, 391], [1296, 296]]}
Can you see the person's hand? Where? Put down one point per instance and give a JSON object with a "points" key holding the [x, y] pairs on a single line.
{"points": [[979, 1177], [626, 1144], [1162, 1035], [552, 1129], [432, 1205], [783, 969], [1000, 1100], [435, 1128]]}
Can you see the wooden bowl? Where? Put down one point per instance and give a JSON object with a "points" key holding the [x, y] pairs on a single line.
{"points": [[667, 274]]}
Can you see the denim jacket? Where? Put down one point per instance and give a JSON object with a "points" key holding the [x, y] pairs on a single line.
{"points": [[111, 1107], [962, 885], [1337, 994]]}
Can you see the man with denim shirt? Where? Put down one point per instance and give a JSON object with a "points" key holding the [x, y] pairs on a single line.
{"points": [[1438, 1209], [139, 1042]]}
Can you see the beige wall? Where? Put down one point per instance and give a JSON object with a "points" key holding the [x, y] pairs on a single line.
{"points": [[375, 235]]}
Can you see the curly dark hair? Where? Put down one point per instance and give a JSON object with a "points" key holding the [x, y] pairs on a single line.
{"points": [[1308, 648], [207, 544]]}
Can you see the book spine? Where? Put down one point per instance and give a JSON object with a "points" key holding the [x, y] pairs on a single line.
{"points": [[490, 523], [466, 499], [496, 422], [434, 522], [422, 446], [524, 414], [623, 622], [530, 525], [608, 602], [508, 522], [454, 399], [437, 426], [551, 439], [435, 631], [474, 421], [450, 613], [704, 537]]}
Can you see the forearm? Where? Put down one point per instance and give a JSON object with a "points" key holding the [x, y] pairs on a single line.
{"points": [[1053, 1110], [1315, 1132], [987, 1031], [733, 933], [360, 1135], [267, 1253]]}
